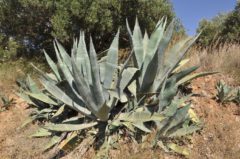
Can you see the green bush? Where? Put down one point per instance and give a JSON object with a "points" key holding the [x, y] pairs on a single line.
{"points": [[34, 23], [224, 28], [8, 48], [210, 30]]}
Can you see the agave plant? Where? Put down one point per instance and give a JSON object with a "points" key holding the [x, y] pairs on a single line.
{"points": [[6, 103], [224, 92], [108, 97]]}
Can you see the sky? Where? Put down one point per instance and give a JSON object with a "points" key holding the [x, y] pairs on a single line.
{"points": [[191, 12]]}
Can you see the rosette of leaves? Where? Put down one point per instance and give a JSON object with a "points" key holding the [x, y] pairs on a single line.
{"points": [[108, 97], [224, 92], [6, 103]]}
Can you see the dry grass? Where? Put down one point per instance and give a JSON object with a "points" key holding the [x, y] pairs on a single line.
{"points": [[10, 71], [225, 59]]}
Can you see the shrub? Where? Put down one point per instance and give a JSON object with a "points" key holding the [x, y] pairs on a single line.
{"points": [[34, 23], [224, 28], [8, 49]]}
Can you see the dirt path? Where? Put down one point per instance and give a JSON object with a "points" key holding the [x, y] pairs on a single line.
{"points": [[219, 139]]}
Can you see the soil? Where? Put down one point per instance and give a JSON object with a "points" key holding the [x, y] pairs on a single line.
{"points": [[219, 138]]}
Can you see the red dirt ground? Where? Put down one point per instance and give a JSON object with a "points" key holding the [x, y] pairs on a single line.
{"points": [[219, 139]]}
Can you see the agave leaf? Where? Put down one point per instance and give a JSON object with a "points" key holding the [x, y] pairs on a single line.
{"points": [[41, 133], [194, 76], [22, 84], [26, 98], [133, 88], [141, 126], [126, 77], [70, 91], [171, 103], [129, 125], [32, 85], [97, 91], [84, 91], [160, 22], [44, 74], [178, 118], [54, 140], [184, 73], [153, 43], [103, 112], [111, 62], [63, 55], [75, 46], [128, 28], [175, 55], [180, 65], [170, 60], [102, 71], [53, 66], [137, 41], [151, 57], [59, 111], [178, 149], [82, 58], [169, 90], [73, 120], [52, 76], [27, 121], [142, 116], [112, 101], [62, 96], [67, 73], [148, 78], [164, 44], [145, 44], [46, 110], [68, 127], [69, 142], [42, 97], [193, 116], [185, 131], [171, 109]]}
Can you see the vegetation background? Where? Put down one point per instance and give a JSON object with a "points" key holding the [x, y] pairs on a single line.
{"points": [[28, 26], [33, 24]]}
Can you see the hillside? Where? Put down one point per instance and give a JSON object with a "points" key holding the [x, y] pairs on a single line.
{"points": [[221, 125]]}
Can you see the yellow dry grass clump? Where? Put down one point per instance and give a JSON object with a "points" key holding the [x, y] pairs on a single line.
{"points": [[225, 59]]}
